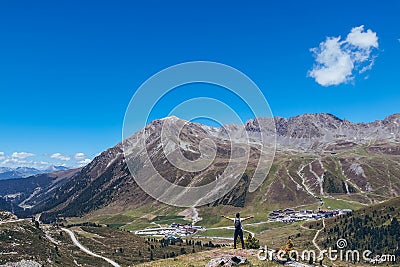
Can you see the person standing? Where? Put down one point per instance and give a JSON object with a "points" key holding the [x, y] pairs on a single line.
{"points": [[237, 221]]}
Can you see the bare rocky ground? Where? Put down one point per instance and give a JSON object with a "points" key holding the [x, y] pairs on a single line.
{"points": [[203, 258]]}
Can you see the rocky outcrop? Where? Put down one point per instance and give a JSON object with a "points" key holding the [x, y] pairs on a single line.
{"points": [[227, 261], [23, 263]]}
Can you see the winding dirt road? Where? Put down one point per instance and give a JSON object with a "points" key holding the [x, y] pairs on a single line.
{"points": [[317, 234], [87, 251], [12, 221]]}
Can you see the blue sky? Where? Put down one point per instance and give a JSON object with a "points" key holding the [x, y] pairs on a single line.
{"points": [[69, 69]]}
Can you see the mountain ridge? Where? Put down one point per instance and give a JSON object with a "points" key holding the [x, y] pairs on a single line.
{"points": [[24, 172], [317, 156]]}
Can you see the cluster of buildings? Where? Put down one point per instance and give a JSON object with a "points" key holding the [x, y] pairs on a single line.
{"points": [[186, 229], [175, 229], [291, 215]]}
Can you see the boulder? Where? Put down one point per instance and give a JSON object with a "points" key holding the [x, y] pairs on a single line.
{"points": [[23, 263], [227, 261]]}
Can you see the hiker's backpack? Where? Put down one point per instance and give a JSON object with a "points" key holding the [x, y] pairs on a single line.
{"points": [[238, 224]]}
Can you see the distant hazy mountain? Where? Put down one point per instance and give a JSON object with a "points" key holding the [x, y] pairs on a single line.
{"points": [[15, 193], [5, 169], [53, 168], [23, 172], [318, 155]]}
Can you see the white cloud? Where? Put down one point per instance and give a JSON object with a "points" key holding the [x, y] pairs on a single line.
{"points": [[22, 155], [369, 66], [336, 59], [39, 164], [333, 65], [82, 159], [363, 39], [22, 159], [18, 162], [80, 156], [60, 157], [84, 162]]}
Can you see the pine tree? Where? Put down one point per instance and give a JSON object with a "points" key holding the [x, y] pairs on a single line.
{"points": [[251, 242]]}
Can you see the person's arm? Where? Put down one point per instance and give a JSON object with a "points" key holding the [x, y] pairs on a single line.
{"points": [[223, 216], [248, 217]]}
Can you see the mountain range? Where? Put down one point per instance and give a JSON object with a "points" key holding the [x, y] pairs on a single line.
{"points": [[318, 156], [23, 172]]}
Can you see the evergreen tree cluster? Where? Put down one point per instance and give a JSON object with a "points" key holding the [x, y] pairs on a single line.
{"points": [[375, 228], [251, 242]]}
